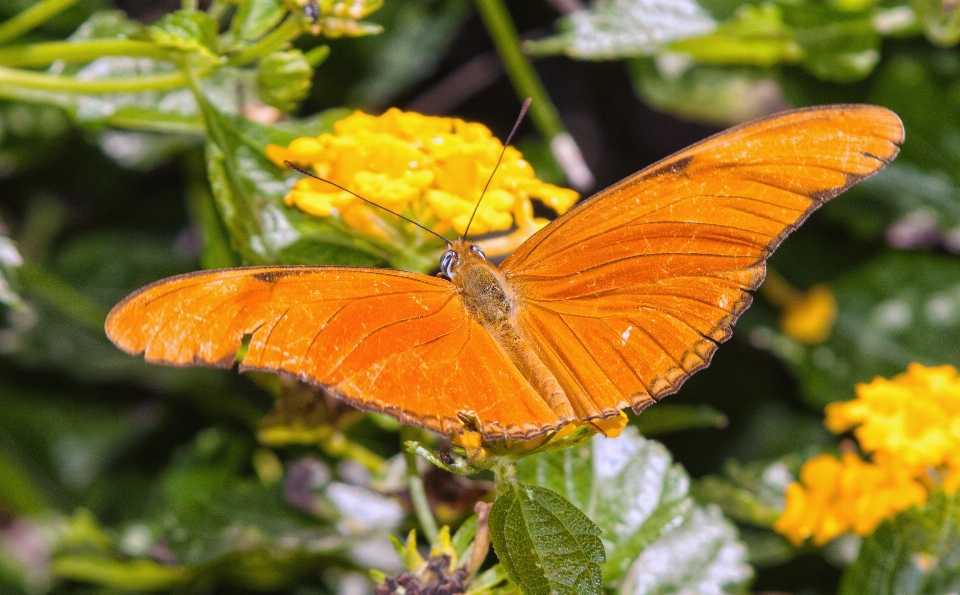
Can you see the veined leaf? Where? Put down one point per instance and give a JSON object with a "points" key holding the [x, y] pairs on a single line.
{"points": [[632, 490], [545, 543]]}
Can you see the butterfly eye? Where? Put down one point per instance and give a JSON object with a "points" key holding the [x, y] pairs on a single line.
{"points": [[476, 250], [447, 262]]}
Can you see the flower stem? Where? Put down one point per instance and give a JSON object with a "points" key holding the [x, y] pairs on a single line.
{"points": [[32, 17], [286, 31], [69, 84], [418, 494], [42, 54], [528, 84]]}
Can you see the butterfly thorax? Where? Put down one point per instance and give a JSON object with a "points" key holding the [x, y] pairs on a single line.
{"points": [[489, 298], [484, 289]]}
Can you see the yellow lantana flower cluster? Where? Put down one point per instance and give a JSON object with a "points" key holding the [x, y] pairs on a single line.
{"points": [[430, 169], [910, 427]]}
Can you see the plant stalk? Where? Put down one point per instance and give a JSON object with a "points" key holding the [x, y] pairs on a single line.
{"points": [[32, 17]]}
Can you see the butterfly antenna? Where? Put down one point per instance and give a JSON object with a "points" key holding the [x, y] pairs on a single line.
{"points": [[523, 112], [305, 172]]}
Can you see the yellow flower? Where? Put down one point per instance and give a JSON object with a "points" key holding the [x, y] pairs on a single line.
{"points": [[910, 427], [914, 416], [810, 317], [430, 169], [836, 496]]}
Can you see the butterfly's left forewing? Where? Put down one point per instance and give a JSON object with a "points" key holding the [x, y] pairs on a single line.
{"points": [[382, 340], [628, 294]]}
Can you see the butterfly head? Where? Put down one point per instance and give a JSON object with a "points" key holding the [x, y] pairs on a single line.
{"points": [[459, 256]]}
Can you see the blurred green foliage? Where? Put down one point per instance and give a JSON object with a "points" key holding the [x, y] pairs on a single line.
{"points": [[131, 148]]}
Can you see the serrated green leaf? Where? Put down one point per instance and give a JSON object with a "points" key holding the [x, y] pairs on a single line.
{"points": [[284, 79], [545, 544], [703, 556], [917, 552], [897, 309], [613, 29], [666, 418], [629, 487]]}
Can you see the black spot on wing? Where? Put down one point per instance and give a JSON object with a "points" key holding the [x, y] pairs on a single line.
{"points": [[674, 167], [271, 277]]}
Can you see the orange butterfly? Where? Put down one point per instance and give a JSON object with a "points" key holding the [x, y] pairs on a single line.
{"points": [[612, 305]]}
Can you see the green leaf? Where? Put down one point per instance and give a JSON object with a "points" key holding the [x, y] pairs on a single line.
{"points": [[613, 29], [248, 192], [666, 418], [917, 552], [255, 18], [837, 45], [723, 95], [832, 44], [284, 79], [187, 31], [545, 544], [629, 487], [755, 35], [897, 309]]}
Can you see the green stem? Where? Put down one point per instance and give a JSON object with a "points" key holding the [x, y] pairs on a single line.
{"points": [[521, 72], [418, 494], [68, 84], [339, 446], [528, 84], [287, 31], [32, 17], [62, 296], [43, 54]]}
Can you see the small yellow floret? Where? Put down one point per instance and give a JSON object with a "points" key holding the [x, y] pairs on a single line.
{"points": [[837, 496], [810, 318], [914, 416], [430, 169], [910, 427]]}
